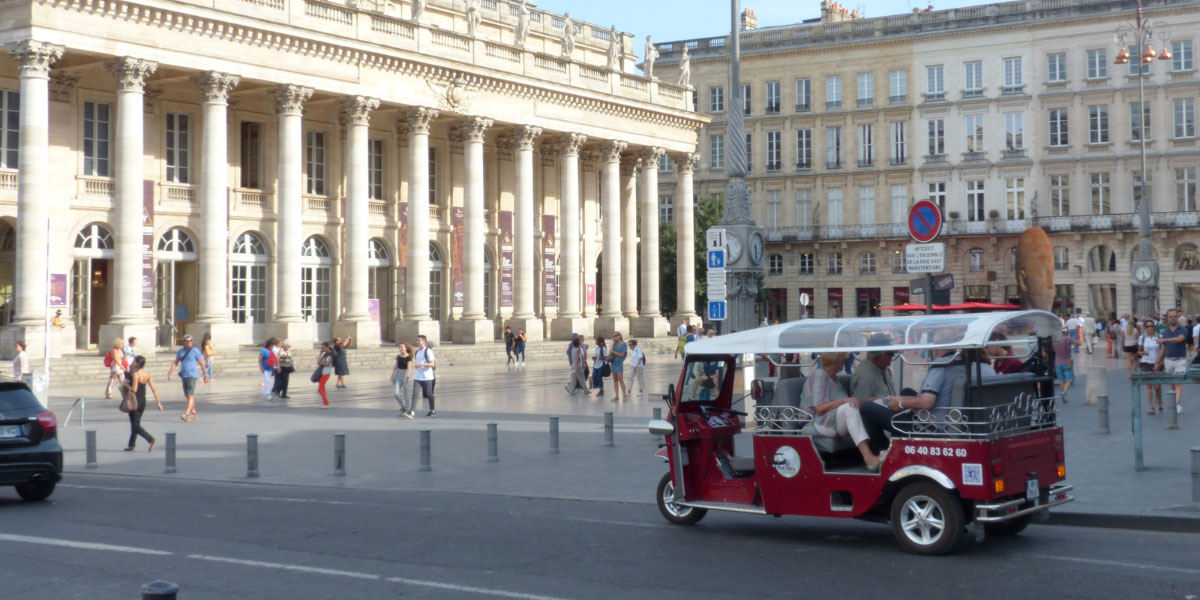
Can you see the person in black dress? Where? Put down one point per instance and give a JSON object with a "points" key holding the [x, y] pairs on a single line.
{"points": [[340, 367], [138, 380]]}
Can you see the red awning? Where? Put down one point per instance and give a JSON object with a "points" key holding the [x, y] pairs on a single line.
{"points": [[980, 306], [904, 307]]}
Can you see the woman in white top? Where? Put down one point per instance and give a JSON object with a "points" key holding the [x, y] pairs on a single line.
{"points": [[599, 358], [1129, 344], [21, 370], [834, 413], [1149, 348]]}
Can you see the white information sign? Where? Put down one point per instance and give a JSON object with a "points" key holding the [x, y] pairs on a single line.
{"points": [[716, 238], [925, 258]]}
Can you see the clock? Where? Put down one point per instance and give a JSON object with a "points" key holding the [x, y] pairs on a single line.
{"points": [[1143, 273], [733, 248], [757, 247]]}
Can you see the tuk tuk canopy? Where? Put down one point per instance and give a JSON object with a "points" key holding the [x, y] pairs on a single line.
{"points": [[891, 334]]}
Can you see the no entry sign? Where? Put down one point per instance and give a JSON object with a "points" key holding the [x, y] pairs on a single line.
{"points": [[924, 221]]}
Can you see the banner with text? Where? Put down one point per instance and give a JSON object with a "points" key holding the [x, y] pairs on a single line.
{"points": [[506, 258], [549, 242], [458, 223]]}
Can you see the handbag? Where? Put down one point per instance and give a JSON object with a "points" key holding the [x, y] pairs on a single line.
{"points": [[316, 375], [606, 370], [129, 401]]}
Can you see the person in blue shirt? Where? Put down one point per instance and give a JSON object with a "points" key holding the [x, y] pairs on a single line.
{"points": [[1173, 358], [190, 362], [619, 351]]}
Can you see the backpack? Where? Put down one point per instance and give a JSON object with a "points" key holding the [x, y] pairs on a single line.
{"points": [[272, 359], [108, 361]]}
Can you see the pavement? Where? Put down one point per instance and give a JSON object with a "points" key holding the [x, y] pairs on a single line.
{"points": [[296, 441]]}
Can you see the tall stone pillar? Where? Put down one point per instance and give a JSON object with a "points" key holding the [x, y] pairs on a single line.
{"points": [[570, 243], [474, 327], [650, 322], [685, 242], [214, 316], [589, 192], [416, 312], [524, 216], [33, 209], [629, 235], [356, 318], [611, 320], [289, 324], [130, 316]]}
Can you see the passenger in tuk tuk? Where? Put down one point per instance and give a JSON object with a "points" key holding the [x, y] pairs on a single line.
{"points": [[705, 380], [873, 379], [835, 416], [1002, 357], [937, 388]]}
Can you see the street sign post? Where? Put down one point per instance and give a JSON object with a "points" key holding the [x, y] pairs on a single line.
{"points": [[716, 310], [716, 259], [715, 289], [716, 238], [924, 221], [924, 225], [804, 300], [925, 258]]}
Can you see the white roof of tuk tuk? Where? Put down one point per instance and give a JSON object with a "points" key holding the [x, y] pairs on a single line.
{"points": [[904, 333]]}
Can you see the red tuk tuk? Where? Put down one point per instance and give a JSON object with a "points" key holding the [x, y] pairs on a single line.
{"points": [[986, 460]]}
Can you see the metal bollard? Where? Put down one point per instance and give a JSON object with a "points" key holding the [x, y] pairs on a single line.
{"points": [[251, 455], [553, 435], [159, 590], [1102, 412], [91, 449], [1172, 415], [425, 463], [1196, 474], [170, 452], [493, 443], [608, 429], [339, 455]]}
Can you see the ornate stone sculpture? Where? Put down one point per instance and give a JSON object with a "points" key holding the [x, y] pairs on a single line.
{"points": [[568, 36], [290, 99], [453, 96], [35, 57], [685, 69], [418, 7], [357, 110], [522, 31], [131, 73], [1035, 269], [473, 17], [651, 56], [614, 51]]}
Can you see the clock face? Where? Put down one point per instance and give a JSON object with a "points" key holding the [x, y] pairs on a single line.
{"points": [[733, 248], [756, 248], [1143, 273]]}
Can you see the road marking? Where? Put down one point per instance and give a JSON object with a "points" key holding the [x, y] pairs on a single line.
{"points": [[604, 522], [105, 488], [285, 567], [28, 539], [303, 500], [453, 587], [1118, 563]]}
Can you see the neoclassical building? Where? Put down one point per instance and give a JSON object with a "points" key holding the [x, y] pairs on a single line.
{"points": [[309, 168], [1008, 115]]}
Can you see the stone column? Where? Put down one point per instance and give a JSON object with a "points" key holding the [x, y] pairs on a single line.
{"points": [[524, 216], [289, 209], [650, 323], [570, 243], [356, 318], [129, 318], [629, 235], [214, 315], [611, 320], [416, 312], [685, 242], [473, 328], [33, 190], [589, 192]]}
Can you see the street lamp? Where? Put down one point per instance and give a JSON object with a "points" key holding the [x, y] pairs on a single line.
{"points": [[1144, 267]]}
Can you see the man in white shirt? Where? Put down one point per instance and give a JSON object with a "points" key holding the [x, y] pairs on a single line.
{"points": [[681, 330], [1089, 332], [637, 363], [1073, 331], [423, 362]]}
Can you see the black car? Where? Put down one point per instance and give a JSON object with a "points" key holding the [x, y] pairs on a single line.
{"points": [[30, 457]]}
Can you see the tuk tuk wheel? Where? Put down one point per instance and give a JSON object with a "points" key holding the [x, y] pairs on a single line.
{"points": [[1008, 528], [679, 515], [927, 519]]}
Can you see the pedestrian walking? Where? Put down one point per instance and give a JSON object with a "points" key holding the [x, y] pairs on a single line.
{"points": [[620, 351], [115, 361], [1064, 368], [1113, 335], [570, 384], [424, 362], [1173, 358], [1149, 348], [267, 361], [1130, 337], [1089, 332], [283, 370], [21, 370], [402, 378], [190, 362], [210, 352], [324, 371], [519, 347], [685, 334], [130, 351], [508, 344], [341, 367], [138, 380], [599, 361], [637, 366], [577, 355]]}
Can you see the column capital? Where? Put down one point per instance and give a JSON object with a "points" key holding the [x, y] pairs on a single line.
{"points": [[356, 110], [418, 119], [569, 143], [522, 137], [215, 86], [470, 129], [650, 156], [630, 163], [611, 150], [686, 162], [290, 99], [131, 73], [35, 57]]}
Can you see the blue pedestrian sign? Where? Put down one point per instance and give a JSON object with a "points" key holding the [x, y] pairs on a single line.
{"points": [[716, 259], [716, 310]]}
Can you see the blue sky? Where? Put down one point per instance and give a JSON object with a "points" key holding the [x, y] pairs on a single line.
{"points": [[669, 20]]}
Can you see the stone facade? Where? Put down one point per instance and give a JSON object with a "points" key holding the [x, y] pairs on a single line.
{"points": [[1031, 126]]}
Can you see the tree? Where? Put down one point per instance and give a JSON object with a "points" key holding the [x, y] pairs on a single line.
{"points": [[707, 214]]}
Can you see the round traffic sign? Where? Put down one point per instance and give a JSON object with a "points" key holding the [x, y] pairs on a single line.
{"points": [[804, 299], [924, 221]]}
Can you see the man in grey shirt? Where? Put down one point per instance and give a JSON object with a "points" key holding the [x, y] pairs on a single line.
{"points": [[872, 379]]}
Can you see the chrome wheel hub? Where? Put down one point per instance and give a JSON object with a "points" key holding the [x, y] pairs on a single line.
{"points": [[922, 520]]}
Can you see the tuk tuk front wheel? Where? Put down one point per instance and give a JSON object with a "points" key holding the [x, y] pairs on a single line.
{"points": [[927, 519], [679, 515]]}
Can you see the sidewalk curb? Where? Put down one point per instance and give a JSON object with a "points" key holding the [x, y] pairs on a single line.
{"points": [[1117, 521]]}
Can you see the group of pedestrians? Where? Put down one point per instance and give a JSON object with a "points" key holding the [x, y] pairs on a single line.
{"points": [[1160, 345], [514, 346], [413, 373], [602, 362]]}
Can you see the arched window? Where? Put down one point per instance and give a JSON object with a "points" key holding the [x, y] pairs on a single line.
{"points": [[315, 247], [775, 264], [866, 263], [248, 279], [1102, 259], [94, 241], [435, 282], [315, 280], [176, 245], [975, 260], [377, 253]]}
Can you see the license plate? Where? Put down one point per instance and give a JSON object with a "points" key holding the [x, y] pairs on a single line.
{"points": [[10, 431], [1031, 490]]}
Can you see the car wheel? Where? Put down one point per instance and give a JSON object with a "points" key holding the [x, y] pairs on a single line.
{"points": [[679, 515], [35, 491], [927, 519], [1008, 528]]}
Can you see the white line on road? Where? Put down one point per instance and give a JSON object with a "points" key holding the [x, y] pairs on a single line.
{"points": [[285, 567], [105, 488], [301, 500], [28, 539], [453, 587], [1123, 564]]}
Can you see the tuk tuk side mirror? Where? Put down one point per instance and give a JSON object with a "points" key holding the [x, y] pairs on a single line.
{"points": [[661, 427], [670, 397], [756, 390]]}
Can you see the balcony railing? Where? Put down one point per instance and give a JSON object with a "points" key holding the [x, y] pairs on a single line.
{"points": [[833, 105], [1012, 90], [1118, 222], [897, 100], [833, 164], [898, 160], [804, 165], [866, 162], [935, 96], [772, 109], [866, 102], [973, 93], [8, 179], [803, 108]]}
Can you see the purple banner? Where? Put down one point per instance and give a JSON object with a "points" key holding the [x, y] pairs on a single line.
{"points": [[548, 249], [147, 244], [506, 258], [58, 290], [402, 260], [458, 223]]}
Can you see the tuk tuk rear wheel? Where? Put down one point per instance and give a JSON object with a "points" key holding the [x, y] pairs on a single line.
{"points": [[679, 515], [927, 519]]}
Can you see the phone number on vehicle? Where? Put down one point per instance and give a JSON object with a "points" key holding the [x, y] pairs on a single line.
{"points": [[936, 451]]}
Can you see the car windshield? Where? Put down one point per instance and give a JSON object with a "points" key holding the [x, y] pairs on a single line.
{"points": [[704, 378], [16, 398]]}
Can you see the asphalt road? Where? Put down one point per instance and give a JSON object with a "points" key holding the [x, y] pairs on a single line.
{"points": [[100, 537]]}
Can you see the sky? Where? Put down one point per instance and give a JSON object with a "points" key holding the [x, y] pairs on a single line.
{"points": [[670, 20]]}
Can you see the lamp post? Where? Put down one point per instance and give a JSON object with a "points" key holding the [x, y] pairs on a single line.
{"points": [[1144, 267]]}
